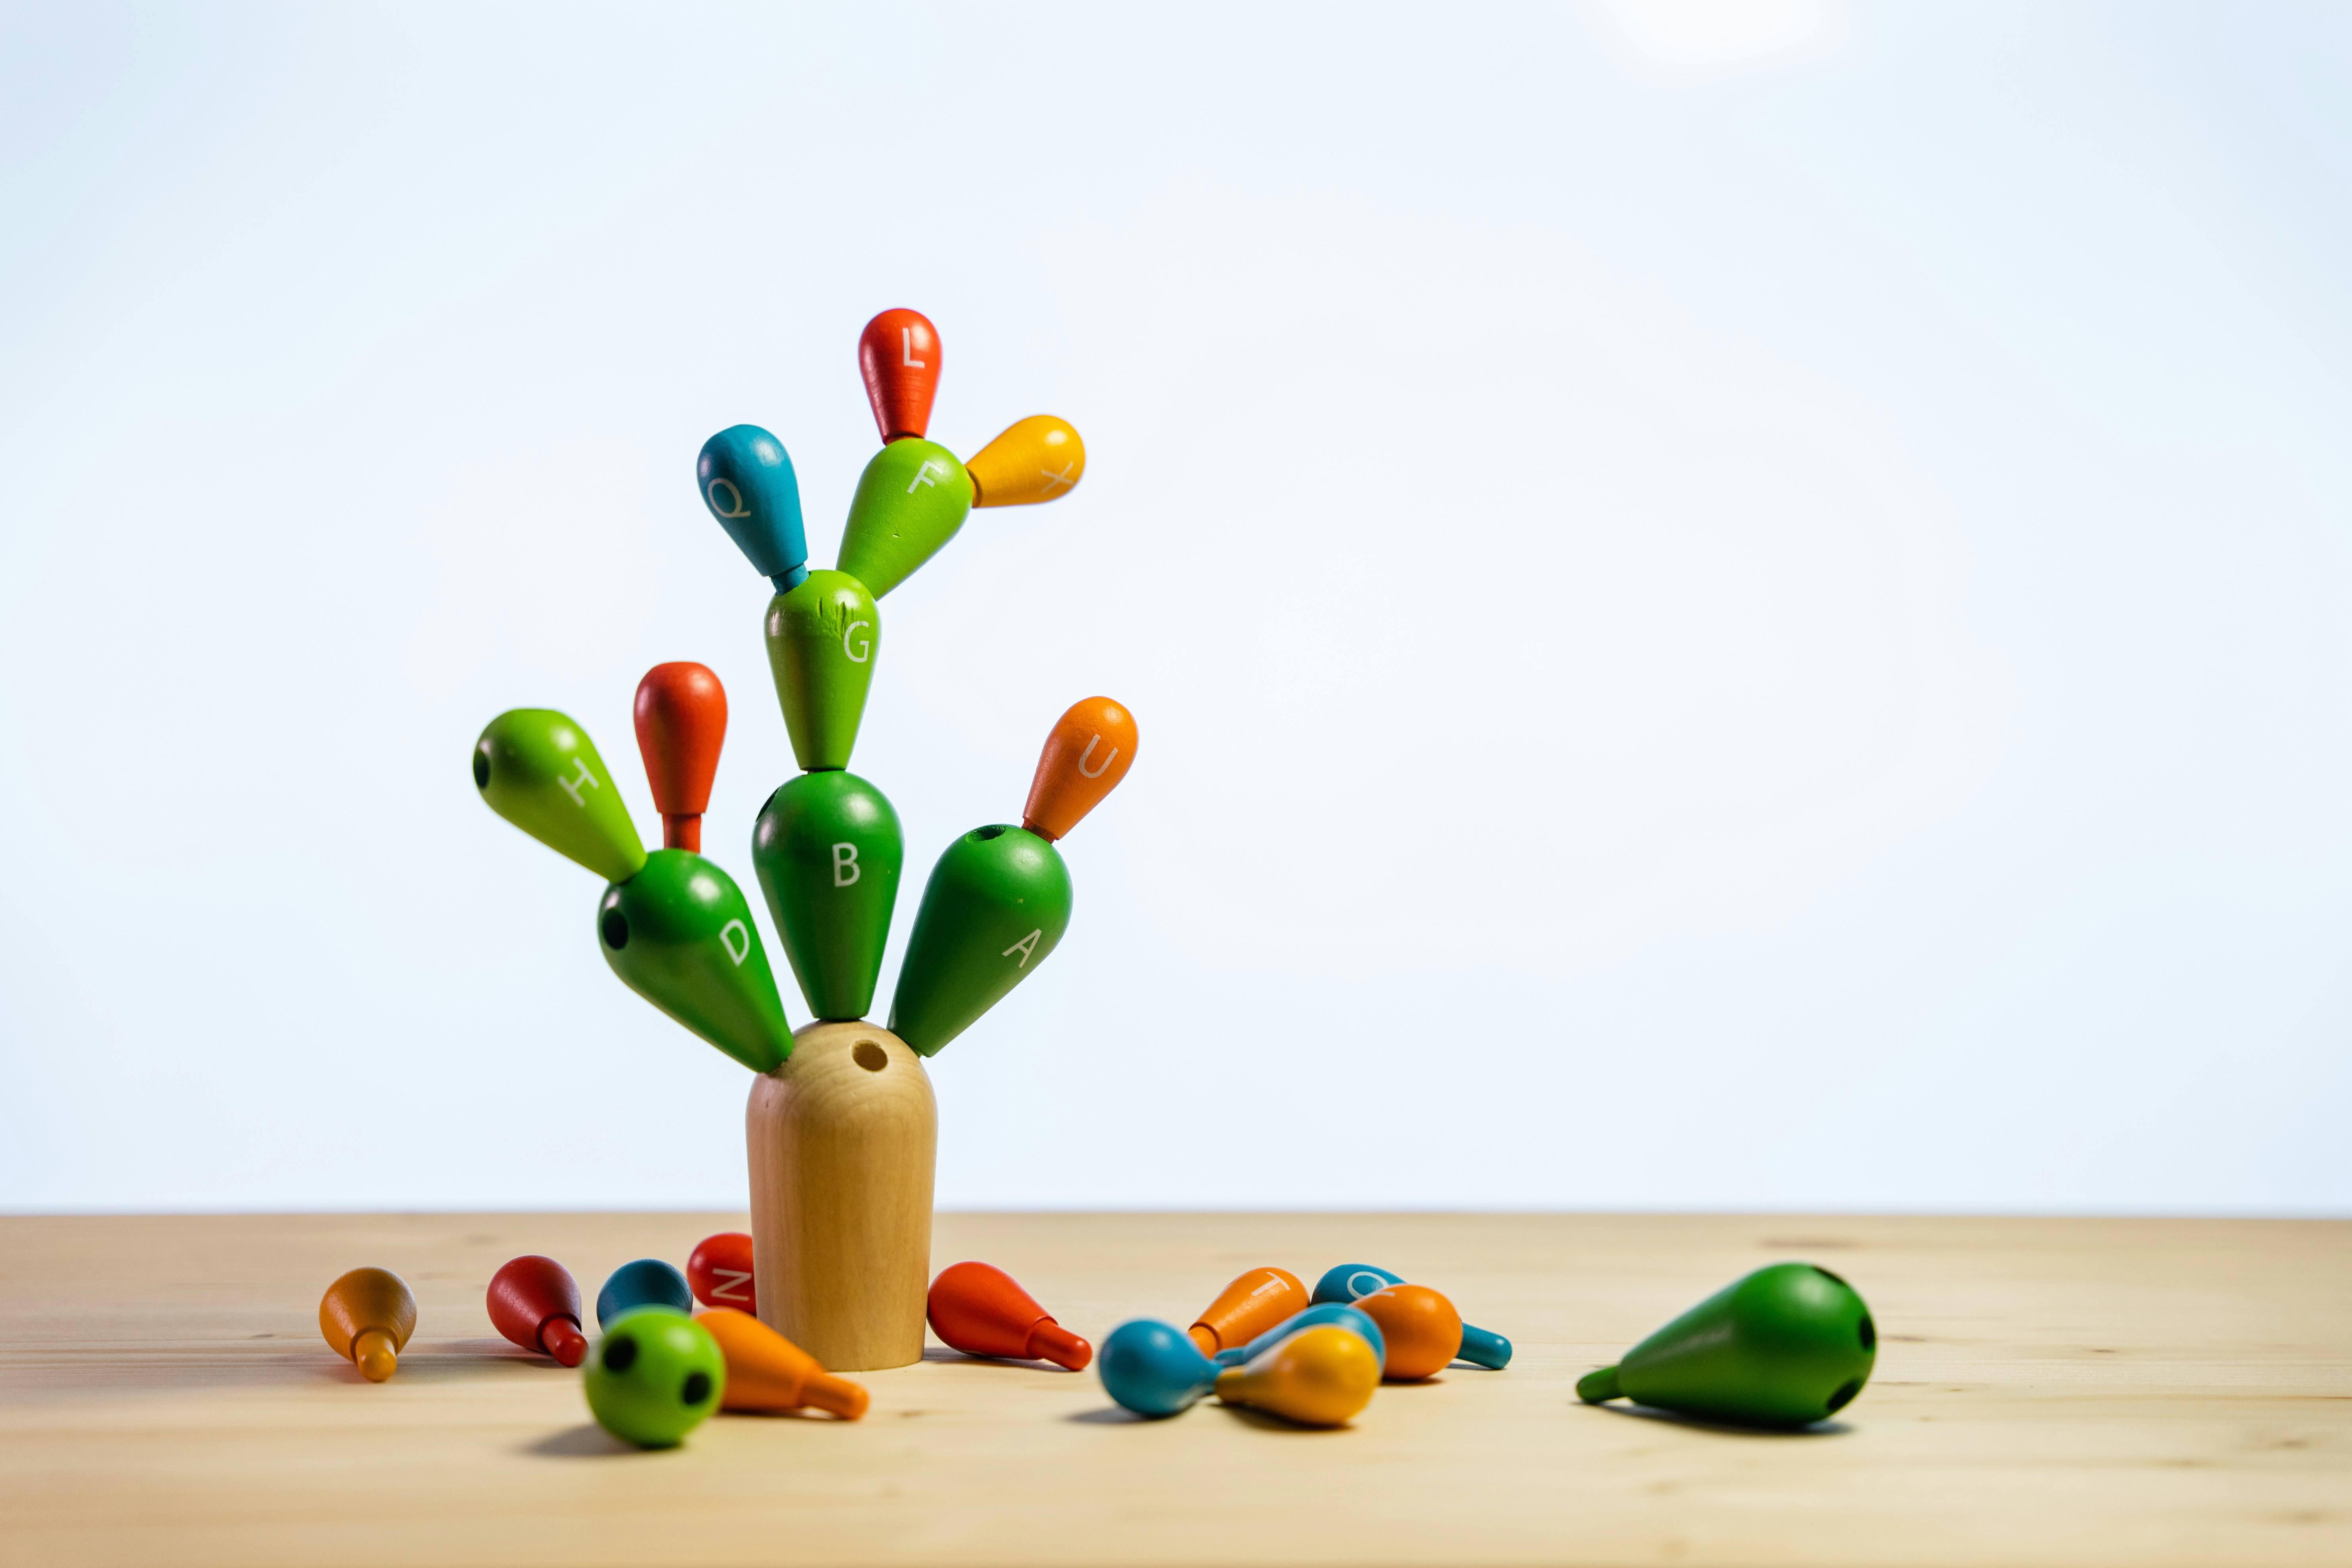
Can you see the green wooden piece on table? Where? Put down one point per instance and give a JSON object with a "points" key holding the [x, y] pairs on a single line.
{"points": [[822, 639], [911, 500], [539, 771], [1786, 1346], [680, 934], [828, 850], [997, 903], [653, 1377]]}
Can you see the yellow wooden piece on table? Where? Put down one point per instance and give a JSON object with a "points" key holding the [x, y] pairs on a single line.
{"points": [[1318, 1377], [1040, 458], [367, 1316]]}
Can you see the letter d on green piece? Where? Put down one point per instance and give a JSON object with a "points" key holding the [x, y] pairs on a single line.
{"points": [[680, 934]]}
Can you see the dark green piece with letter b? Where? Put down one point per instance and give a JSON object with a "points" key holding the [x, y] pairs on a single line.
{"points": [[828, 851]]}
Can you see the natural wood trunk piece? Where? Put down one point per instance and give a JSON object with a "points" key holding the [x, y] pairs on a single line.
{"points": [[842, 1138]]}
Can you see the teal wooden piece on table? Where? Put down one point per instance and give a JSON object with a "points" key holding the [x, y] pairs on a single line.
{"points": [[1354, 1281], [828, 851], [747, 481], [1353, 1318], [822, 639], [1154, 1368], [996, 905], [680, 934], [911, 500], [539, 771], [653, 1377], [648, 1282], [1786, 1346]]}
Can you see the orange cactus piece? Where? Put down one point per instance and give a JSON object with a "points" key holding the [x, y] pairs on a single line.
{"points": [[1247, 1307], [681, 717], [766, 1372], [1090, 750], [1422, 1329], [367, 1316]]}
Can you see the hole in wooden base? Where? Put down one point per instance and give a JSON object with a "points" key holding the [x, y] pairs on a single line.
{"points": [[870, 1055]]}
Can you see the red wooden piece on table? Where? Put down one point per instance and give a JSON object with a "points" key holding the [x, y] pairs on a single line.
{"points": [[719, 1272], [681, 722], [898, 353], [534, 1303], [979, 1310]]}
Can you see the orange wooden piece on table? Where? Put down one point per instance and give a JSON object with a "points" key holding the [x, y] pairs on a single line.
{"points": [[681, 723], [367, 1316], [1422, 1329], [534, 1302], [719, 1271], [1247, 1307], [1090, 750], [768, 1373], [978, 1310], [898, 354]]}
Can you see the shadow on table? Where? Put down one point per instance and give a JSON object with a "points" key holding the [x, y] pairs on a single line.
{"points": [[586, 1441], [1729, 1428], [941, 1354]]}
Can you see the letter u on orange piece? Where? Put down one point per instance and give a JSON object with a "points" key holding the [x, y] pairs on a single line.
{"points": [[1090, 750], [1247, 1307]]}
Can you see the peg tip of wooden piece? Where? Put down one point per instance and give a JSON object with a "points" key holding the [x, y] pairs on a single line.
{"points": [[373, 1351]]}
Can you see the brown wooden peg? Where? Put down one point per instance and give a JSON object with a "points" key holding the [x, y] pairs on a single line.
{"points": [[898, 354], [681, 717], [1090, 750]]}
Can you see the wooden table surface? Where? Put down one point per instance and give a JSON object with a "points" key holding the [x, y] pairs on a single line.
{"points": [[2139, 1391]]}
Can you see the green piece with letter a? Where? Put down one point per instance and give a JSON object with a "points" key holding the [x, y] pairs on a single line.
{"points": [[822, 639], [680, 934], [997, 903], [829, 852]]}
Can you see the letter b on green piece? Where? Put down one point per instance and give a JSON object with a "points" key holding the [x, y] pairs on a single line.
{"points": [[822, 639], [680, 934], [997, 903], [828, 850], [539, 771]]}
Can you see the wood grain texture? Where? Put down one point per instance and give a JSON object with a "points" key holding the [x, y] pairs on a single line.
{"points": [[842, 1141], [2125, 1391]]}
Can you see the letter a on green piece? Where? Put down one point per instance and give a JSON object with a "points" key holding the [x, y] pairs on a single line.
{"points": [[822, 639], [911, 500], [997, 903], [539, 771], [1786, 1346], [828, 850], [680, 934]]}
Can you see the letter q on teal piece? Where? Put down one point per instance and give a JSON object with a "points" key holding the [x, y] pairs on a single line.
{"points": [[1354, 1319], [1354, 1281], [648, 1282], [747, 481]]}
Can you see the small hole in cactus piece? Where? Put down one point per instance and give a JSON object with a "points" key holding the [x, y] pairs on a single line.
{"points": [[615, 928], [1846, 1391], [1867, 1332], [870, 1055], [983, 835]]}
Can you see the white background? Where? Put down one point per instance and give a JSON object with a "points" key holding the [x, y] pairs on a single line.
{"points": [[1732, 605]]}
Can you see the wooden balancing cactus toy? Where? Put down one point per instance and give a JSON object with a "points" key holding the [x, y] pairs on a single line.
{"points": [[842, 1125]]}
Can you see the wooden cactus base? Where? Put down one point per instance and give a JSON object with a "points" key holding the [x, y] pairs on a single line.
{"points": [[842, 1138]]}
